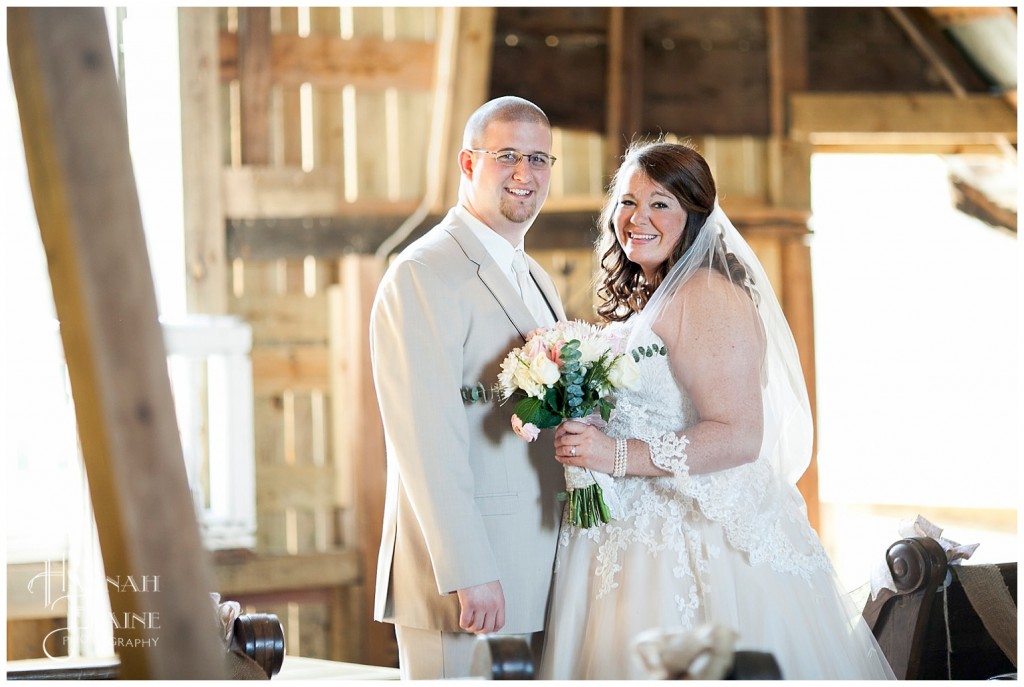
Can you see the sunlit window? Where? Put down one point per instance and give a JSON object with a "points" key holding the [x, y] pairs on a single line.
{"points": [[917, 312]]}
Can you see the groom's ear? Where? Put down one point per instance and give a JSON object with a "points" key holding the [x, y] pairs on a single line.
{"points": [[466, 163]]}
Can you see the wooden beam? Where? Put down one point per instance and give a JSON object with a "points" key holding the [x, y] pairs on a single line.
{"points": [[80, 171], [206, 270], [972, 201], [254, 83], [359, 434], [470, 84], [336, 236], [955, 16], [241, 573], [912, 27], [332, 62], [798, 304], [253, 192], [914, 118], [789, 180], [625, 81], [787, 60]]}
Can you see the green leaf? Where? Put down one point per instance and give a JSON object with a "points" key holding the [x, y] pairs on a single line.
{"points": [[535, 411]]}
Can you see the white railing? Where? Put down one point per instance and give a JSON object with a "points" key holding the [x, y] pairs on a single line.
{"points": [[211, 377]]}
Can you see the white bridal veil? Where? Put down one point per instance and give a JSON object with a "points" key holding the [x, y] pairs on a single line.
{"points": [[788, 429]]}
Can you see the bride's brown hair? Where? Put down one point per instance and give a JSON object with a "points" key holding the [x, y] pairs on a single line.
{"points": [[682, 171]]}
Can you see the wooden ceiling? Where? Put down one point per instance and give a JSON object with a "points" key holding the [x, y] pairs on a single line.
{"points": [[707, 71], [896, 79]]}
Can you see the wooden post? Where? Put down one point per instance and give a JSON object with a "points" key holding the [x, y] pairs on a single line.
{"points": [[798, 303], [625, 81], [359, 436], [206, 285], [76, 146], [471, 67]]}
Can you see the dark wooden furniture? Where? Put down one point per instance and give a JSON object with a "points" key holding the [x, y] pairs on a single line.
{"points": [[911, 623], [256, 652]]}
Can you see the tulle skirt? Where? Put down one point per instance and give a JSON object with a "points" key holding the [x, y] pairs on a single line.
{"points": [[810, 626]]}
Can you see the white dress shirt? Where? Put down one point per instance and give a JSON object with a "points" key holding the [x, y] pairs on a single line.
{"points": [[504, 253]]}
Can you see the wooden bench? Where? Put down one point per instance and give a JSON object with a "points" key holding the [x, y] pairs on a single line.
{"points": [[928, 629]]}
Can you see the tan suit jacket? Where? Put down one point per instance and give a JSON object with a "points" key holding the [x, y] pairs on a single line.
{"points": [[467, 500]]}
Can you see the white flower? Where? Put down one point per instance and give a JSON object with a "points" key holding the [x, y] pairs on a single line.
{"points": [[525, 380], [544, 370], [506, 378], [624, 373]]}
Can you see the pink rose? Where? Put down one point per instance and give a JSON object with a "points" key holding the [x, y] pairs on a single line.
{"points": [[526, 431], [555, 353]]}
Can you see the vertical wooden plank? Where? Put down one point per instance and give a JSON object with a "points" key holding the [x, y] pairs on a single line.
{"points": [[786, 29], [344, 623], [80, 171], [359, 433], [202, 141], [254, 83], [412, 139], [289, 129], [408, 137], [326, 115], [370, 117], [769, 252], [471, 70], [798, 303], [625, 80]]}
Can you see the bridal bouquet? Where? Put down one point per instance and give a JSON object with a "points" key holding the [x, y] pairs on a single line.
{"points": [[569, 371]]}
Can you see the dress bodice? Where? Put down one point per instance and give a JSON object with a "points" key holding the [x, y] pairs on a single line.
{"points": [[657, 404], [761, 515]]}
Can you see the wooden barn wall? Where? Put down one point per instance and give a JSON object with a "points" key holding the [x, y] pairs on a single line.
{"points": [[706, 70], [313, 151]]}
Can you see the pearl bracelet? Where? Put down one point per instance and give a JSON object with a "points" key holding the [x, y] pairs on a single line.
{"points": [[621, 456]]}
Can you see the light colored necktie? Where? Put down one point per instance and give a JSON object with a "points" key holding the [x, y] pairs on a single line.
{"points": [[531, 292]]}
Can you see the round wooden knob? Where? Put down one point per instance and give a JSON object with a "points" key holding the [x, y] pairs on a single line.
{"points": [[261, 637]]}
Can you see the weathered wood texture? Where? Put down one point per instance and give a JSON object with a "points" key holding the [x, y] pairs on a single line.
{"points": [[704, 70], [901, 118], [324, 112], [352, 99], [201, 149], [359, 449], [76, 146]]}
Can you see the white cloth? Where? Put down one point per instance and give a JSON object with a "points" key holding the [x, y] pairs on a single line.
{"points": [[699, 554], [529, 290]]}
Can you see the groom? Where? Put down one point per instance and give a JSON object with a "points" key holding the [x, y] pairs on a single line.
{"points": [[471, 512]]}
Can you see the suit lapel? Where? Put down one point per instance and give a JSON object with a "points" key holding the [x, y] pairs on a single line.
{"points": [[492, 276]]}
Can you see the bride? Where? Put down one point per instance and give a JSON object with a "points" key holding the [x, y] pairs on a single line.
{"points": [[704, 453]]}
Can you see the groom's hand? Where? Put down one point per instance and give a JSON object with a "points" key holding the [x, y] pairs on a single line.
{"points": [[483, 608]]}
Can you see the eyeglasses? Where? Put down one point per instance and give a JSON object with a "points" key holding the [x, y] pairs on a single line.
{"points": [[511, 158]]}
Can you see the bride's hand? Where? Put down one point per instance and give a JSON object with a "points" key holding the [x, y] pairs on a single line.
{"points": [[584, 446]]}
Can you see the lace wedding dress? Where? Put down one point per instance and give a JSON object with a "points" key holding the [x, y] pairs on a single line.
{"points": [[730, 548]]}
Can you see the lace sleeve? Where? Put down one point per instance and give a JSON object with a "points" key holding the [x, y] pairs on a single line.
{"points": [[668, 452]]}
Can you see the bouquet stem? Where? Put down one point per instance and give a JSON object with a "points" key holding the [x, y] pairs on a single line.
{"points": [[587, 507]]}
